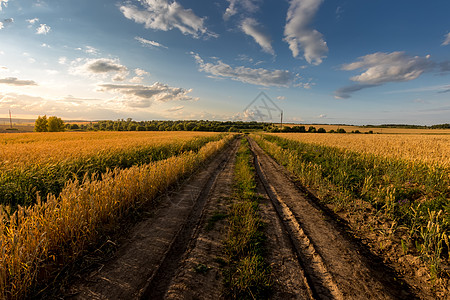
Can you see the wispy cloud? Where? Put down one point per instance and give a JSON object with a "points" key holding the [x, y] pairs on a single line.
{"points": [[298, 34], [446, 39], [166, 15], [149, 43], [17, 82], [235, 6], [258, 76], [175, 108], [3, 3], [252, 28], [43, 29], [144, 95], [32, 21], [380, 68]]}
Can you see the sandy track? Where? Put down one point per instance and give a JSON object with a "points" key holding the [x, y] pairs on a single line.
{"points": [[206, 246], [333, 265]]}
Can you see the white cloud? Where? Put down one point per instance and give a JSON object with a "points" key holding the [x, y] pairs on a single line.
{"points": [[90, 50], [258, 76], [446, 39], [3, 3], [145, 42], [16, 82], [241, 5], [140, 72], [99, 68], [104, 66], [44, 45], [144, 95], [322, 116], [43, 29], [62, 60], [165, 15], [298, 34], [281, 98], [252, 28], [32, 21], [380, 68], [6, 21], [386, 67]]}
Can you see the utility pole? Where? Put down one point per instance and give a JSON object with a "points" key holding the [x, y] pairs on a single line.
{"points": [[281, 119], [10, 120]]}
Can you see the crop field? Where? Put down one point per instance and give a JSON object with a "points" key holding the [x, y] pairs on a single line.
{"points": [[149, 215], [433, 149], [42, 148], [58, 228], [37, 163]]}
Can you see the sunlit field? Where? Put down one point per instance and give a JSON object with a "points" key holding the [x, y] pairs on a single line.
{"points": [[32, 148], [413, 147], [52, 230]]}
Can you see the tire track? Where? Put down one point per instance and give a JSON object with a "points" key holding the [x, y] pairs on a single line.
{"points": [[332, 263], [159, 282]]}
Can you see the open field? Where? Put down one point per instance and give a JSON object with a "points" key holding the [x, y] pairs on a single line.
{"points": [[414, 147], [43, 162], [210, 216], [49, 147], [362, 129]]}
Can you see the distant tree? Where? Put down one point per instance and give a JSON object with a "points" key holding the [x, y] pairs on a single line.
{"points": [[321, 130], [74, 126], [312, 129], [40, 125], [55, 124], [341, 130]]}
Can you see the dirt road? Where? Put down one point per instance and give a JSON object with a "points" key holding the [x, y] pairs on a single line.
{"points": [[177, 253]]}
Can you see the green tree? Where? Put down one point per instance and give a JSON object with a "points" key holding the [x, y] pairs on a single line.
{"points": [[41, 124], [55, 124]]}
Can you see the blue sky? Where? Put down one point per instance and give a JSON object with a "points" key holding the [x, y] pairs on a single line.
{"points": [[340, 61]]}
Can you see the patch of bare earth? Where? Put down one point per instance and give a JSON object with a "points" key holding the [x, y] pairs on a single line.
{"points": [[154, 243], [336, 266]]}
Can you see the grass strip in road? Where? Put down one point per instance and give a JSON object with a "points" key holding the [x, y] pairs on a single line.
{"points": [[247, 275]]}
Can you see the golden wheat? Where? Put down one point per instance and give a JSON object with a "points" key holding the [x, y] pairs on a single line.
{"points": [[54, 232], [424, 148], [41, 148]]}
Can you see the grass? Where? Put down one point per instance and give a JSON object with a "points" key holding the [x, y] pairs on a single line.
{"points": [[412, 195], [247, 275], [40, 240]]}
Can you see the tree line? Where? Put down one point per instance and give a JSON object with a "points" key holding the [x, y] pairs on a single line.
{"points": [[51, 124]]}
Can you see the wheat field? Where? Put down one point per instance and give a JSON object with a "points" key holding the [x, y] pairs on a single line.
{"points": [[42, 148], [433, 149]]}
